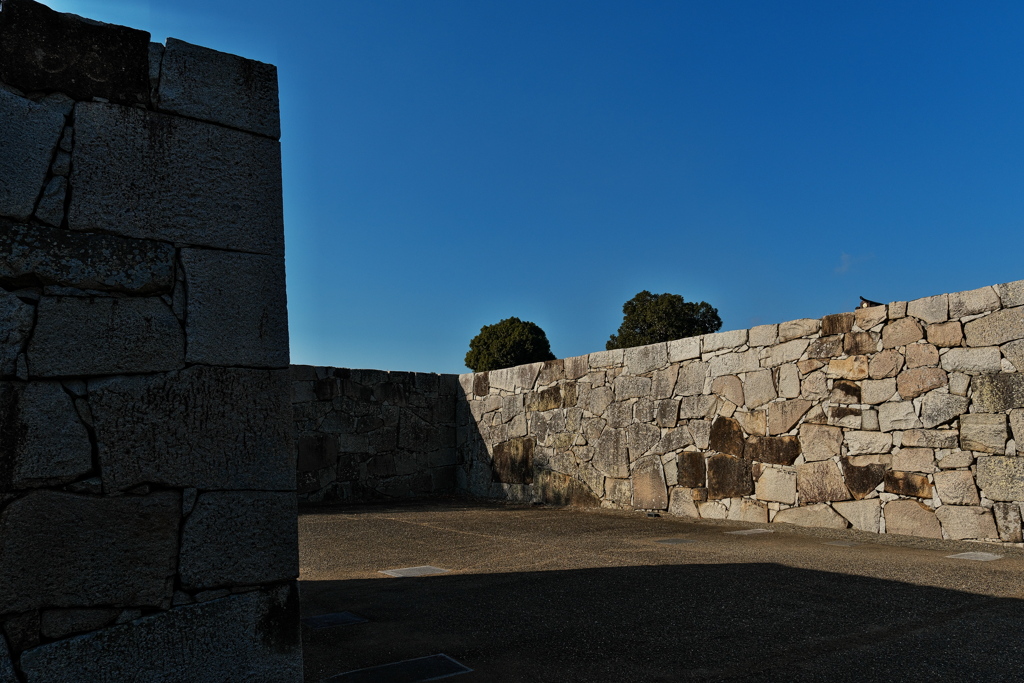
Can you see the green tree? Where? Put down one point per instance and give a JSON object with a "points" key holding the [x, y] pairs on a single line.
{"points": [[509, 342], [652, 318]]}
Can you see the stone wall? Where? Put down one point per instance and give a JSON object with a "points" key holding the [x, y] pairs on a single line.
{"points": [[902, 419], [369, 435], [147, 501]]}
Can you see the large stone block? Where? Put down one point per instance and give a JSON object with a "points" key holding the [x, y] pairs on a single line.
{"points": [[247, 637], [956, 487], [867, 443], [1011, 293], [911, 518], [1008, 522], [643, 359], [44, 442], [820, 482], [746, 510], [861, 480], [996, 328], [908, 484], [513, 461], [913, 383], [727, 436], [222, 88], [967, 522], [998, 393], [933, 309], [1001, 477], [931, 438], [733, 363], [649, 490], [142, 174], [104, 336], [729, 477], [973, 302], [691, 378], [820, 515], [681, 503], [983, 432], [16, 319], [820, 442], [611, 455], [203, 427], [776, 485], [901, 332], [35, 254], [758, 388], [885, 364], [63, 550], [730, 388], [938, 408], [691, 470], [863, 515], [787, 352], [239, 538], [28, 138], [783, 415], [237, 311], [777, 450], [793, 329], [896, 415], [555, 488], [977, 361]]}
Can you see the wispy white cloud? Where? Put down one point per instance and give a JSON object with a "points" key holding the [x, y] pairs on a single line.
{"points": [[848, 262]]}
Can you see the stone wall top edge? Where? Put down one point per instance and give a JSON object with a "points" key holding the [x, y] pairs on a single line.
{"points": [[303, 366]]}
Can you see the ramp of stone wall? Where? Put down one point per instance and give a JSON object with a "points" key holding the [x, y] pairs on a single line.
{"points": [[147, 505]]}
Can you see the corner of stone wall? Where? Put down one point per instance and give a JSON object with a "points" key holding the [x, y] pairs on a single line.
{"points": [[147, 486]]}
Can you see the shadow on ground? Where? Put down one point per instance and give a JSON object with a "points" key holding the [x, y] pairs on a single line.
{"points": [[670, 622]]}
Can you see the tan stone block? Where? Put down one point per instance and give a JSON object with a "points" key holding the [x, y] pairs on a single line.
{"points": [[845, 392], [1008, 522], [754, 422], [820, 482], [763, 335], [897, 310], [908, 484], [983, 432], [723, 340], [787, 352], [643, 359], [691, 378], [683, 349], [854, 367], [821, 515], [798, 328], [963, 522], [897, 415], [712, 509], [996, 328], [789, 381], [946, 334], [921, 355], [931, 438], [776, 485], [826, 347], [814, 386], [866, 318], [745, 510], [729, 387], [913, 383], [1014, 352], [866, 443], [910, 518], [837, 323], [845, 416], [1001, 477], [885, 364], [863, 515], [983, 360], [605, 359], [973, 302], [618, 491], [869, 420], [901, 332], [810, 365], [914, 460], [649, 490], [681, 503], [783, 415], [932, 309], [949, 459], [664, 381], [1017, 427], [956, 487], [759, 388], [938, 408], [1011, 293], [855, 343], [734, 363], [875, 391]]}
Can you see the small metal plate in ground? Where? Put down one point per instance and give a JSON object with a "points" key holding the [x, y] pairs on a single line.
{"points": [[426, 570], [432, 668], [842, 544], [980, 557], [333, 619], [747, 532], [675, 541]]}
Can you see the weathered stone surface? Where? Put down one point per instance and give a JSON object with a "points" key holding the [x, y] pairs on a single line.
{"points": [[885, 364], [691, 378], [239, 538], [838, 323], [1001, 477], [931, 438], [820, 442], [664, 382], [237, 313], [776, 450], [204, 427], [693, 407], [789, 381], [50, 209], [58, 623], [104, 336], [1017, 427], [605, 359], [513, 461], [956, 487], [64, 550], [913, 383], [854, 367], [728, 477], [683, 349], [214, 86], [821, 481], [628, 386], [649, 490], [1008, 522], [783, 415], [746, 510], [733, 363], [251, 636], [901, 332], [946, 334], [798, 328], [681, 503], [28, 138], [845, 392], [556, 488], [938, 408], [897, 415], [142, 174], [667, 414], [758, 388], [776, 485], [763, 335], [729, 387], [723, 340], [866, 443], [933, 309], [861, 480], [914, 460], [859, 343], [787, 352], [1011, 293], [826, 347], [820, 515], [911, 518], [1014, 352], [998, 393], [641, 438], [863, 515], [996, 328], [15, 325], [921, 354], [691, 470], [983, 432], [726, 436], [712, 509], [875, 391], [963, 522], [866, 318], [952, 459], [845, 416], [45, 443], [611, 456], [972, 361], [908, 484], [973, 302]]}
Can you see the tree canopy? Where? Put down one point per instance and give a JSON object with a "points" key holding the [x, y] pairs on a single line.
{"points": [[652, 318], [504, 344]]}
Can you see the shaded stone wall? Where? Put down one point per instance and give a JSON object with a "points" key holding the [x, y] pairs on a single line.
{"points": [[147, 469], [370, 435], [903, 418]]}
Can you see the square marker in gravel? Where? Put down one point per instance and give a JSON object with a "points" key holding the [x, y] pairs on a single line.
{"points": [[748, 532], [426, 570], [675, 541], [842, 544], [333, 619], [980, 557], [432, 668]]}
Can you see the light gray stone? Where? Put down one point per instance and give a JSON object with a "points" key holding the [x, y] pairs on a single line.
{"points": [[866, 318], [142, 174], [1001, 477], [1008, 522], [683, 349], [911, 518], [605, 359], [723, 340], [863, 515], [956, 487], [933, 309], [758, 388], [628, 386], [949, 459], [611, 457], [222, 88], [691, 378], [664, 382], [1011, 293], [798, 328], [104, 336], [820, 482], [789, 381], [618, 492], [46, 442], [649, 490], [239, 538], [914, 460], [973, 302], [996, 328], [640, 360], [701, 431], [776, 485], [784, 415], [961, 522], [64, 550], [237, 313], [972, 361], [745, 510], [250, 636], [867, 443], [763, 335], [598, 400], [787, 352], [733, 363], [681, 503], [15, 325], [983, 432], [937, 408], [998, 393], [28, 139], [1014, 352], [897, 415], [820, 515], [1017, 427], [641, 438], [694, 407], [728, 387], [712, 509], [901, 332], [204, 427], [931, 438], [875, 391], [897, 309], [820, 442]]}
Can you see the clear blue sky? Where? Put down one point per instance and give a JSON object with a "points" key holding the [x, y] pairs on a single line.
{"points": [[450, 163]]}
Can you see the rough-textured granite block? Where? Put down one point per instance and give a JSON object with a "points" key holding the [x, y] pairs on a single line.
{"points": [[28, 137], [15, 325], [142, 174]]}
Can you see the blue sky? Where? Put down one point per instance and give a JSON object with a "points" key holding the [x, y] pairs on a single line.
{"points": [[451, 163]]}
